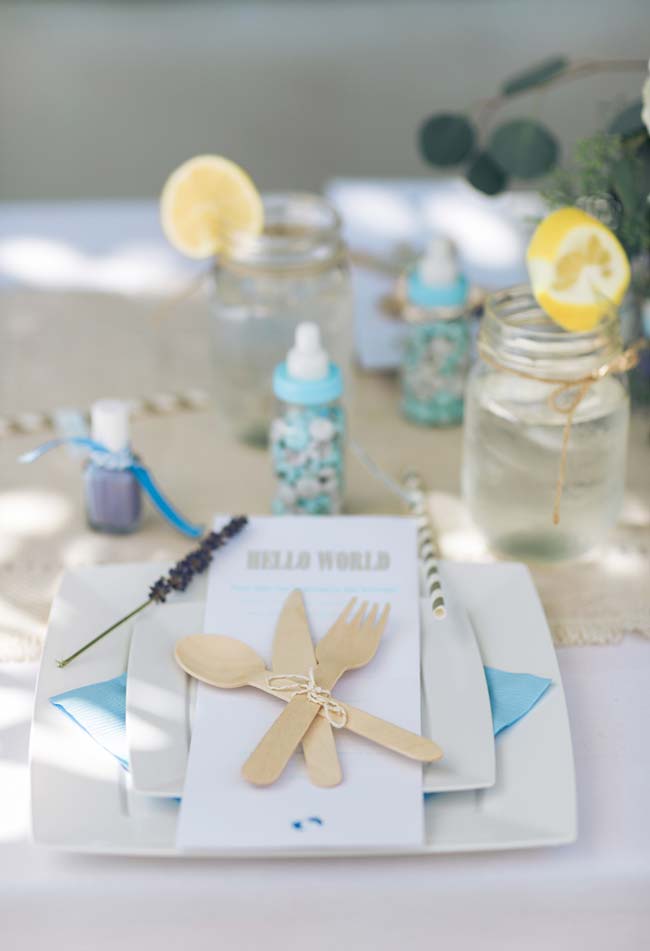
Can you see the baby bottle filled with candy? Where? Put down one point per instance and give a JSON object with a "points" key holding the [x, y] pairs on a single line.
{"points": [[308, 432], [437, 352]]}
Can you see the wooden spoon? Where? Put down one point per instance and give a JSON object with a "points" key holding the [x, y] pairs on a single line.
{"points": [[228, 663]]}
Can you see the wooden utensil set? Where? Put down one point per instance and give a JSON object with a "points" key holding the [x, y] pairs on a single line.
{"points": [[304, 678]]}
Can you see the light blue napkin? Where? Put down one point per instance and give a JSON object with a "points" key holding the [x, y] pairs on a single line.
{"points": [[512, 696], [100, 709]]}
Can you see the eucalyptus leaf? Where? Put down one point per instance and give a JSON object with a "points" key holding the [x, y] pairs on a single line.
{"points": [[446, 139], [628, 121], [486, 175], [536, 75], [523, 148]]}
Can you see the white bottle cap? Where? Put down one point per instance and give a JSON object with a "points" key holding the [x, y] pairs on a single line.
{"points": [[307, 359], [110, 424], [439, 266]]}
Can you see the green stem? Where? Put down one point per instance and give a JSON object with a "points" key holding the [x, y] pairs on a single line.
{"points": [[577, 70], [66, 660]]}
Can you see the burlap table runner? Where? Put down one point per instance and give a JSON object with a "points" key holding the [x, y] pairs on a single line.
{"points": [[66, 349]]}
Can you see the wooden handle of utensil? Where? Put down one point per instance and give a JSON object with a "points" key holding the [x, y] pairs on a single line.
{"points": [[271, 755], [373, 728], [321, 757], [391, 736]]}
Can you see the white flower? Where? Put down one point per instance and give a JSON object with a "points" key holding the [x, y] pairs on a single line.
{"points": [[645, 95]]}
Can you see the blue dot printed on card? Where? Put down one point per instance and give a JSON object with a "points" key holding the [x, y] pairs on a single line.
{"points": [[300, 824]]}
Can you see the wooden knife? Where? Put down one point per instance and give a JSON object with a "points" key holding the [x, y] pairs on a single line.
{"points": [[293, 653]]}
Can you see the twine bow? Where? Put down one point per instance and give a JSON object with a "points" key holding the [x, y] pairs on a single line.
{"points": [[301, 685], [625, 361]]}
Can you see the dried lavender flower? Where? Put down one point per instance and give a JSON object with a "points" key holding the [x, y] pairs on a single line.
{"points": [[179, 576]]}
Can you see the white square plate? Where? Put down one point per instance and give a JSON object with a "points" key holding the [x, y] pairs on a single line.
{"points": [[82, 800]]}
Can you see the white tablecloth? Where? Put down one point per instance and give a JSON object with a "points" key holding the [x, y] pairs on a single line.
{"points": [[592, 895]]}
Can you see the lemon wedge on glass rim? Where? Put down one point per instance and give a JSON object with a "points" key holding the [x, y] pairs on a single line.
{"points": [[206, 199], [578, 268]]}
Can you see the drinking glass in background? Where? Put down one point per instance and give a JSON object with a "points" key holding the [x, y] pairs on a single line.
{"points": [[514, 431], [296, 270]]}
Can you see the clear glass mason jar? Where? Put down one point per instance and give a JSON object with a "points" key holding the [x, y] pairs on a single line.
{"points": [[265, 285], [515, 422]]}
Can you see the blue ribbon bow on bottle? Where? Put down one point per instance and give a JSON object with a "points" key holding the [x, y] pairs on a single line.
{"points": [[127, 461]]}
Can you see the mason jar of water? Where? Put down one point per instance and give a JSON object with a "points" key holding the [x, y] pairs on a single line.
{"points": [[545, 434], [265, 285]]}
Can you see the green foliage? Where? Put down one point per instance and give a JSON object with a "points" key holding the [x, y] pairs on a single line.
{"points": [[628, 121], [446, 139], [523, 148], [486, 175], [614, 173], [594, 158], [610, 170], [536, 75]]}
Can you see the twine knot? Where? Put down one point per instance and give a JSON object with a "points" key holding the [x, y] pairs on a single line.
{"points": [[305, 685]]}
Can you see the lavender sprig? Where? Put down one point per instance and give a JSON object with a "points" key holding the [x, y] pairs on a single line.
{"points": [[179, 577]]}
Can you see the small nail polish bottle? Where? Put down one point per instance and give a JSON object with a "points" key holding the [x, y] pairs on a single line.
{"points": [[112, 492]]}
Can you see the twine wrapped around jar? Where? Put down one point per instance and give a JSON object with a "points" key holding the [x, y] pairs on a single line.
{"points": [[621, 363]]}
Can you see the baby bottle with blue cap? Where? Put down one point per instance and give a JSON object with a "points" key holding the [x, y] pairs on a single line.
{"points": [[437, 353], [308, 433]]}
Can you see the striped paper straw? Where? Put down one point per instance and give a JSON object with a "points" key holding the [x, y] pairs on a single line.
{"points": [[412, 492], [427, 548]]}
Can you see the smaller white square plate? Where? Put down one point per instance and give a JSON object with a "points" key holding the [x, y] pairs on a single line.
{"points": [[455, 702], [456, 709], [160, 700]]}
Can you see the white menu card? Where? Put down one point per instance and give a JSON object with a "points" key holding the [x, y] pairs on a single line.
{"points": [[379, 803]]}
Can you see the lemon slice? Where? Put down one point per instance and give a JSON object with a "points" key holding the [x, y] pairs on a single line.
{"points": [[206, 199], [578, 268]]}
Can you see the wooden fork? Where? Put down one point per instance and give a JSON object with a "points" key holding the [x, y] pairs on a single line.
{"points": [[349, 643]]}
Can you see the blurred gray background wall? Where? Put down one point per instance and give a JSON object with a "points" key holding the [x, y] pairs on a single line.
{"points": [[105, 98]]}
